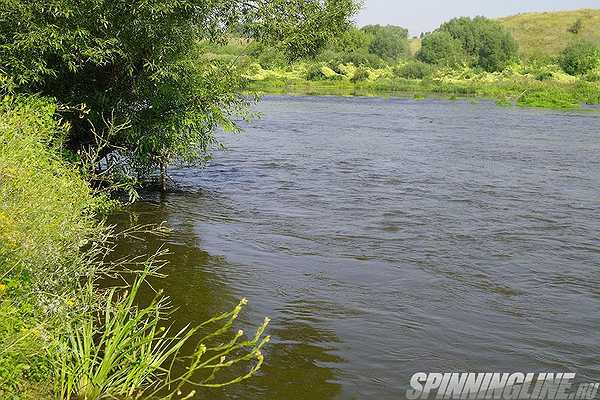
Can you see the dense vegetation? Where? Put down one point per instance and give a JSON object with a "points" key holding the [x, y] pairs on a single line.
{"points": [[134, 70], [463, 57], [96, 95]]}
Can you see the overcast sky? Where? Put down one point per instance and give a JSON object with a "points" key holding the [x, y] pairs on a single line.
{"points": [[426, 15]]}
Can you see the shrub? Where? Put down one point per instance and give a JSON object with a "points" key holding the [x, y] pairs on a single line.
{"points": [[352, 40], [317, 72], [360, 75], [441, 48], [414, 70], [41, 243], [580, 58], [576, 27], [593, 76]]}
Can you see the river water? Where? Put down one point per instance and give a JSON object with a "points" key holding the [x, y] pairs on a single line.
{"points": [[386, 237]]}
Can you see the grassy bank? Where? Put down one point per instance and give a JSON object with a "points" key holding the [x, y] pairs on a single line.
{"points": [[62, 336], [46, 217], [532, 86], [547, 34]]}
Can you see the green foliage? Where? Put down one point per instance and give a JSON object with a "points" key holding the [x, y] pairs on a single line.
{"points": [[441, 48], [414, 70], [358, 59], [300, 28], [320, 71], [487, 44], [46, 209], [549, 98], [389, 42], [136, 65], [580, 58], [23, 365], [315, 73], [269, 57], [593, 76], [350, 41], [46, 217], [360, 75]]}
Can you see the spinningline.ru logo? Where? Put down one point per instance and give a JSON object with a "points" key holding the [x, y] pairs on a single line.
{"points": [[498, 385]]}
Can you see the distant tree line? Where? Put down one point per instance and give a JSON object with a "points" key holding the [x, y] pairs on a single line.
{"points": [[478, 42]]}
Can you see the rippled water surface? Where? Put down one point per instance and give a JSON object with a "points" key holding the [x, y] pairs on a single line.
{"points": [[388, 237]]}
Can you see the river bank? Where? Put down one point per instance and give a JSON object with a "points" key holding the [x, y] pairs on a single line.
{"points": [[62, 334], [544, 87]]}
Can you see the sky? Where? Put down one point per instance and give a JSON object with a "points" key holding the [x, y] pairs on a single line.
{"points": [[426, 15]]}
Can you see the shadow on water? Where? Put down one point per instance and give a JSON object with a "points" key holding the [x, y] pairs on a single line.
{"points": [[299, 361]]}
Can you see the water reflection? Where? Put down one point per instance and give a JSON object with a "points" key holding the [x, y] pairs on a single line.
{"points": [[301, 358]]}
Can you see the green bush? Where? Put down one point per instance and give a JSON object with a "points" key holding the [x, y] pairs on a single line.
{"points": [[593, 76], [48, 198], [360, 75], [315, 73], [268, 57], [441, 48], [580, 58], [352, 40], [414, 70]]}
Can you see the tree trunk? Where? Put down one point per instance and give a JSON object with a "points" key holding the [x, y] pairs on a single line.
{"points": [[163, 177]]}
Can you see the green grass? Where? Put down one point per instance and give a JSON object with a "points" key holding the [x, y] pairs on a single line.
{"points": [[546, 34]]}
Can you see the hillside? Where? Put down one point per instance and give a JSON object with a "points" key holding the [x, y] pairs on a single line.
{"points": [[548, 33]]}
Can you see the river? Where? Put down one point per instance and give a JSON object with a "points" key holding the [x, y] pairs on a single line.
{"points": [[386, 237]]}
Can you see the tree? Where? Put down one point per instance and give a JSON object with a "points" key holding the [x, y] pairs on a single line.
{"points": [[441, 48], [351, 41], [580, 58], [486, 43], [389, 42], [137, 65]]}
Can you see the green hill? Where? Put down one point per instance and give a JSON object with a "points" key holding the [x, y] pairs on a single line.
{"points": [[548, 33]]}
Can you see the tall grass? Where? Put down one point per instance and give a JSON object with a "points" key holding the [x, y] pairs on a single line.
{"points": [[125, 352]]}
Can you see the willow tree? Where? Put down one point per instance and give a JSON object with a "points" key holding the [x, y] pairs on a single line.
{"points": [[130, 77]]}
